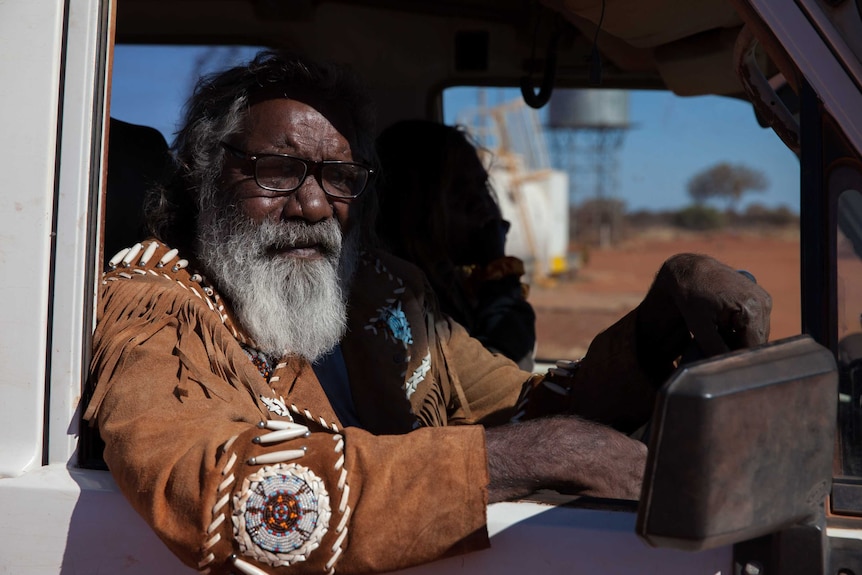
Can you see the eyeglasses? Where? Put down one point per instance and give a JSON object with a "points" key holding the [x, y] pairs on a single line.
{"points": [[284, 173]]}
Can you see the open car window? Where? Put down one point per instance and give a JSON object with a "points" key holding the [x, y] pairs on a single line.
{"points": [[151, 83], [601, 186]]}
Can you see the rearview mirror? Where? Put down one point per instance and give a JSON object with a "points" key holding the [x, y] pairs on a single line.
{"points": [[741, 446]]}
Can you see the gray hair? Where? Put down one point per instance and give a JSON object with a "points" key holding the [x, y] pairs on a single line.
{"points": [[216, 111]]}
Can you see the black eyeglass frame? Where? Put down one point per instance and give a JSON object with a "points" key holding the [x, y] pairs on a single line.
{"points": [[312, 168]]}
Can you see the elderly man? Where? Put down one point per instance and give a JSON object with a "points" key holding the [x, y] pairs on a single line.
{"points": [[277, 396]]}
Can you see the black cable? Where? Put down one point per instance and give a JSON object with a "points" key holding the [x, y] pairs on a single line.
{"points": [[595, 56]]}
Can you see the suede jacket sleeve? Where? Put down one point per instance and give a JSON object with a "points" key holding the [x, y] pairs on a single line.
{"points": [[607, 385], [234, 476]]}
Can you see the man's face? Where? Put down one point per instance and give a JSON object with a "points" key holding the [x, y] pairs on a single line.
{"points": [[297, 128], [474, 228], [283, 260]]}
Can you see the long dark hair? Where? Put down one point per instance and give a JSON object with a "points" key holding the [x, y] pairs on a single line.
{"points": [[420, 162]]}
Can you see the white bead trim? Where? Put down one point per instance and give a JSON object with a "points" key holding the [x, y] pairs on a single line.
{"points": [[206, 561], [282, 435], [343, 507], [277, 424], [132, 253], [228, 480], [215, 524], [345, 496], [246, 567], [224, 492], [230, 442], [307, 414], [331, 563], [148, 253], [126, 256], [336, 546], [118, 257], [169, 255], [277, 456], [343, 523], [220, 503], [213, 540], [276, 406], [418, 376]]}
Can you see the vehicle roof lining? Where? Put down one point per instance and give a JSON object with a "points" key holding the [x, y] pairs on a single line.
{"points": [[649, 23], [686, 47]]}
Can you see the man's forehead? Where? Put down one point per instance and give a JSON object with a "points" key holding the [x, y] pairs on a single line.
{"points": [[335, 111]]}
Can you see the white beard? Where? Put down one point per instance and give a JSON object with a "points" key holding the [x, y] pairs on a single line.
{"points": [[290, 306]]}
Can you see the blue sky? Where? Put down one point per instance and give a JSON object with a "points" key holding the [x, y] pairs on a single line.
{"points": [[671, 139]]}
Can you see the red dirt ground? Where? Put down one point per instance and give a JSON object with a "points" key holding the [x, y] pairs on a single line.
{"points": [[613, 280]]}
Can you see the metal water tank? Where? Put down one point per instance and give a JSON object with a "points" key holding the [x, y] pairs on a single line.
{"points": [[589, 109]]}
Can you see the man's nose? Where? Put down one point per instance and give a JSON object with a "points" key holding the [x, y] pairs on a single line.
{"points": [[308, 202]]}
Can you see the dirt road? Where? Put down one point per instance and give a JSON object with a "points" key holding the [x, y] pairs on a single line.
{"points": [[614, 280]]}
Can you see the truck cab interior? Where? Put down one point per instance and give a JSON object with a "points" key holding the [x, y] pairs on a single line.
{"points": [[409, 53], [796, 65]]}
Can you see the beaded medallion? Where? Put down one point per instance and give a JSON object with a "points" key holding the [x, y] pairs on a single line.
{"points": [[281, 514]]}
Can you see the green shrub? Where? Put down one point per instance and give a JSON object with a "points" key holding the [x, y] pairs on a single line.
{"points": [[699, 218], [757, 214]]}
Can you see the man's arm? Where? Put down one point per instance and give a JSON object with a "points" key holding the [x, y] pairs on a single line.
{"points": [[566, 454]]}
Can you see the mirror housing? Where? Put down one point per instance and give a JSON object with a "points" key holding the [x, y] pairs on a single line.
{"points": [[741, 446]]}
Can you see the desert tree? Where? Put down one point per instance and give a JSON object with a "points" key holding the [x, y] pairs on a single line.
{"points": [[726, 182]]}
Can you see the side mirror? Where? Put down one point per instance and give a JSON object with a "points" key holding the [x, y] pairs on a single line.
{"points": [[741, 446]]}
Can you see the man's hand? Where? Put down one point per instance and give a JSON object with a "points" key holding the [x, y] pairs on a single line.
{"points": [[564, 453], [696, 296]]}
